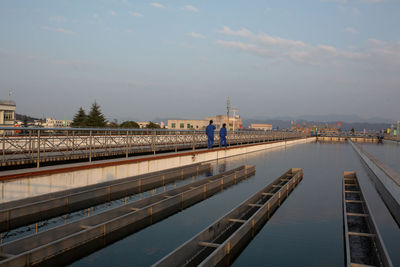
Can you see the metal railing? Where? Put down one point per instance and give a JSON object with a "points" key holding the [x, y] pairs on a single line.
{"points": [[21, 146]]}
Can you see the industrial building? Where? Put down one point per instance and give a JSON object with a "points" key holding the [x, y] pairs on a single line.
{"points": [[7, 113], [261, 126], [235, 123]]}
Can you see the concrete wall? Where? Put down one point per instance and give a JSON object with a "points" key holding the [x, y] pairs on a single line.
{"points": [[27, 187]]}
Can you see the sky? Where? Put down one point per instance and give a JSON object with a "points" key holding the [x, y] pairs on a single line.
{"points": [[181, 59]]}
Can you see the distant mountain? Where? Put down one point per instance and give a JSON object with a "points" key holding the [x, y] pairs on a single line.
{"points": [[327, 118], [285, 124]]}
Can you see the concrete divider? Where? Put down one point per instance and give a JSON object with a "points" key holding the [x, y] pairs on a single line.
{"points": [[54, 244], [363, 243], [27, 211], [385, 179], [222, 241], [31, 182]]}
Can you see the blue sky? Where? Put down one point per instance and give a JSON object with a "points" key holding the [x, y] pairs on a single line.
{"points": [[146, 59]]}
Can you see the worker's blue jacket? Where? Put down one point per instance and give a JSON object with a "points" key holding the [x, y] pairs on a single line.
{"points": [[210, 130], [222, 132]]}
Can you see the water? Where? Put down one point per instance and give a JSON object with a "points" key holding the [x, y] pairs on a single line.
{"points": [[388, 153], [307, 230]]}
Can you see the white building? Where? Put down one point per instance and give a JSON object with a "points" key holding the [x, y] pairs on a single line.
{"points": [[261, 126], [7, 113]]}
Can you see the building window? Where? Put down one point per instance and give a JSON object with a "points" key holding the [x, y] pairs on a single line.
{"points": [[173, 125], [8, 115], [181, 125], [188, 126], [197, 126]]}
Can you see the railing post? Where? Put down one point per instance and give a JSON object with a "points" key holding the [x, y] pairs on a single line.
{"points": [[73, 141], [153, 137], [176, 142], [4, 145], [30, 144], [90, 146], [127, 144], [194, 141], [38, 150]]}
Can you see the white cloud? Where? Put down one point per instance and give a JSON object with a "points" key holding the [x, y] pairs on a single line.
{"points": [[136, 14], [196, 35], [282, 48], [327, 48], [191, 8], [351, 30], [244, 47], [113, 13], [60, 30], [157, 5], [262, 38]]}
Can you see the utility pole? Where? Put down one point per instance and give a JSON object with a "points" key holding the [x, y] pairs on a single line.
{"points": [[228, 106], [234, 109]]}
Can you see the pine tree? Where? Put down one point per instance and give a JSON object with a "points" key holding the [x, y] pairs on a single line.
{"points": [[80, 118], [95, 117]]}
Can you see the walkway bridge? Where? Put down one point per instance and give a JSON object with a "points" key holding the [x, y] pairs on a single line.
{"points": [[44, 146]]}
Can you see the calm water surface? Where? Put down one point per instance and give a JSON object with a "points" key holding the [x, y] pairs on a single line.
{"points": [[306, 230], [388, 153]]}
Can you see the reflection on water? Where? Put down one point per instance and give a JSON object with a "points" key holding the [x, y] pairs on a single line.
{"points": [[305, 231]]}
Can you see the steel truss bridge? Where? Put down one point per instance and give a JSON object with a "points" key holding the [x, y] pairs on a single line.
{"points": [[36, 146]]}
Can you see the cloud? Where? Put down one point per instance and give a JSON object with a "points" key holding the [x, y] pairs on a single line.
{"points": [[351, 30], [136, 14], [245, 47], [191, 8], [262, 38], [113, 13], [157, 5], [196, 35], [283, 48], [60, 30]]}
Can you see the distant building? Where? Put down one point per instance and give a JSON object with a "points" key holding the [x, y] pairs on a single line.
{"points": [[235, 122], [187, 124], [7, 113], [53, 123], [261, 126]]}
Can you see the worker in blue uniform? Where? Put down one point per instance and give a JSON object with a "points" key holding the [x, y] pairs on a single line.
{"points": [[222, 136], [210, 134]]}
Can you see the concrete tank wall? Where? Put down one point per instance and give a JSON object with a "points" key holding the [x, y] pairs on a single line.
{"points": [[52, 182]]}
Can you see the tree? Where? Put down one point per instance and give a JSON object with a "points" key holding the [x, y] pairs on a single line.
{"points": [[95, 117], [129, 124], [152, 125], [25, 121], [80, 118], [352, 131]]}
